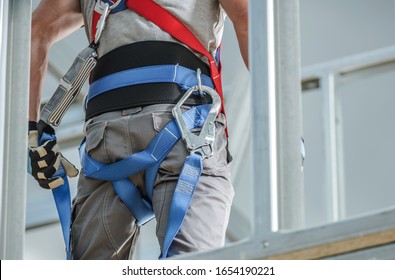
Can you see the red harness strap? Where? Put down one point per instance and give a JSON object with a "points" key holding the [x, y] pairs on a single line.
{"points": [[172, 25]]}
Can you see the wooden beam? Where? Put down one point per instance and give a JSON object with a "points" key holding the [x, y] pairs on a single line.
{"points": [[339, 247]]}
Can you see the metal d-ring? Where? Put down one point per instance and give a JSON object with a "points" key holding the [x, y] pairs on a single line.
{"points": [[113, 6]]}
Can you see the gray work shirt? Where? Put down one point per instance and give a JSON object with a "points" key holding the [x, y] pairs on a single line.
{"points": [[205, 18]]}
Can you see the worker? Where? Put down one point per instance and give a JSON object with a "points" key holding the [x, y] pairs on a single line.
{"points": [[122, 120]]}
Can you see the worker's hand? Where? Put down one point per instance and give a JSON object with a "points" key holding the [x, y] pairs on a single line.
{"points": [[46, 159]]}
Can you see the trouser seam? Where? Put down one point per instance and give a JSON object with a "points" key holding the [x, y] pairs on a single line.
{"points": [[105, 146], [105, 223], [159, 218]]}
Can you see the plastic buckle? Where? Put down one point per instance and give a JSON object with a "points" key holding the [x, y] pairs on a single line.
{"points": [[203, 143]]}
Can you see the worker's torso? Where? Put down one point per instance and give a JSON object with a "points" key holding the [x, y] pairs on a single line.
{"points": [[205, 18]]}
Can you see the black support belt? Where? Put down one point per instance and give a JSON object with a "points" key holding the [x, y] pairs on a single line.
{"points": [[142, 54]]}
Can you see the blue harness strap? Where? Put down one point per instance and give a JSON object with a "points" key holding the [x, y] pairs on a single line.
{"points": [[182, 197], [180, 75], [150, 160], [62, 199]]}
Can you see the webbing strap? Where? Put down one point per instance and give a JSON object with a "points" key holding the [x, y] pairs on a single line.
{"points": [[130, 195], [156, 151], [182, 198], [183, 76], [62, 199]]}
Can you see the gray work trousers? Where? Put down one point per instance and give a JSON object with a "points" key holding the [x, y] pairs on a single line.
{"points": [[102, 226]]}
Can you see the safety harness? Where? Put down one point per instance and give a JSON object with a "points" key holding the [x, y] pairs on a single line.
{"points": [[163, 19], [202, 116]]}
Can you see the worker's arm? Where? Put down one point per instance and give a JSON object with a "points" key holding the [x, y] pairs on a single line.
{"points": [[237, 10], [51, 21]]}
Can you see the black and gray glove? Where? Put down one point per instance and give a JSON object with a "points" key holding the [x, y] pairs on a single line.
{"points": [[46, 161]]}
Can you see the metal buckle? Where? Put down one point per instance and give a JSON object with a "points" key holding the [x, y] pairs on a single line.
{"points": [[203, 143], [102, 21]]}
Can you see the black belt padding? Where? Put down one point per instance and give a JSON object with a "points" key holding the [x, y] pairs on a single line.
{"points": [[140, 54]]}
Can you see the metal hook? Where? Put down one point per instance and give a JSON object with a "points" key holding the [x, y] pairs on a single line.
{"points": [[203, 143], [102, 21], [199, 80], [106, 9]]}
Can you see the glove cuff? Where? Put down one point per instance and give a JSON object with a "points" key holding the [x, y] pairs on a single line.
{"points": [[33, 135], [32, 125], [44, 127]]}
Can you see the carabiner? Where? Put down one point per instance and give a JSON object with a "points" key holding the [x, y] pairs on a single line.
{"points": [[106, 9], [102, 22], [203, 143]]}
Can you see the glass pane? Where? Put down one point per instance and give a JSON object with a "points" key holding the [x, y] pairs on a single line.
{"points": [[367, 135], [317, 202]]}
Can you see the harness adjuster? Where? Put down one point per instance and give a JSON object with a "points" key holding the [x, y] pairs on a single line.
{"points": [[203, 143]]}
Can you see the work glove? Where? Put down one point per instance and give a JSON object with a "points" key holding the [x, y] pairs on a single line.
{"points": [[47, 165]]}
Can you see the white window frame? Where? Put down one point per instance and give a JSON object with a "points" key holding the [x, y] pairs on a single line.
{"points": [[15, 37]]}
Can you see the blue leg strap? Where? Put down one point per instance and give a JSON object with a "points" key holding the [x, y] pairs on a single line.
{"points": [[182, 197], [156, 151], [130, 195], [148, 159]]}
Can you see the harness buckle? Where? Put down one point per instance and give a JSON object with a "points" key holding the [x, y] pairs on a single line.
{"points": [[203, 143]]}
